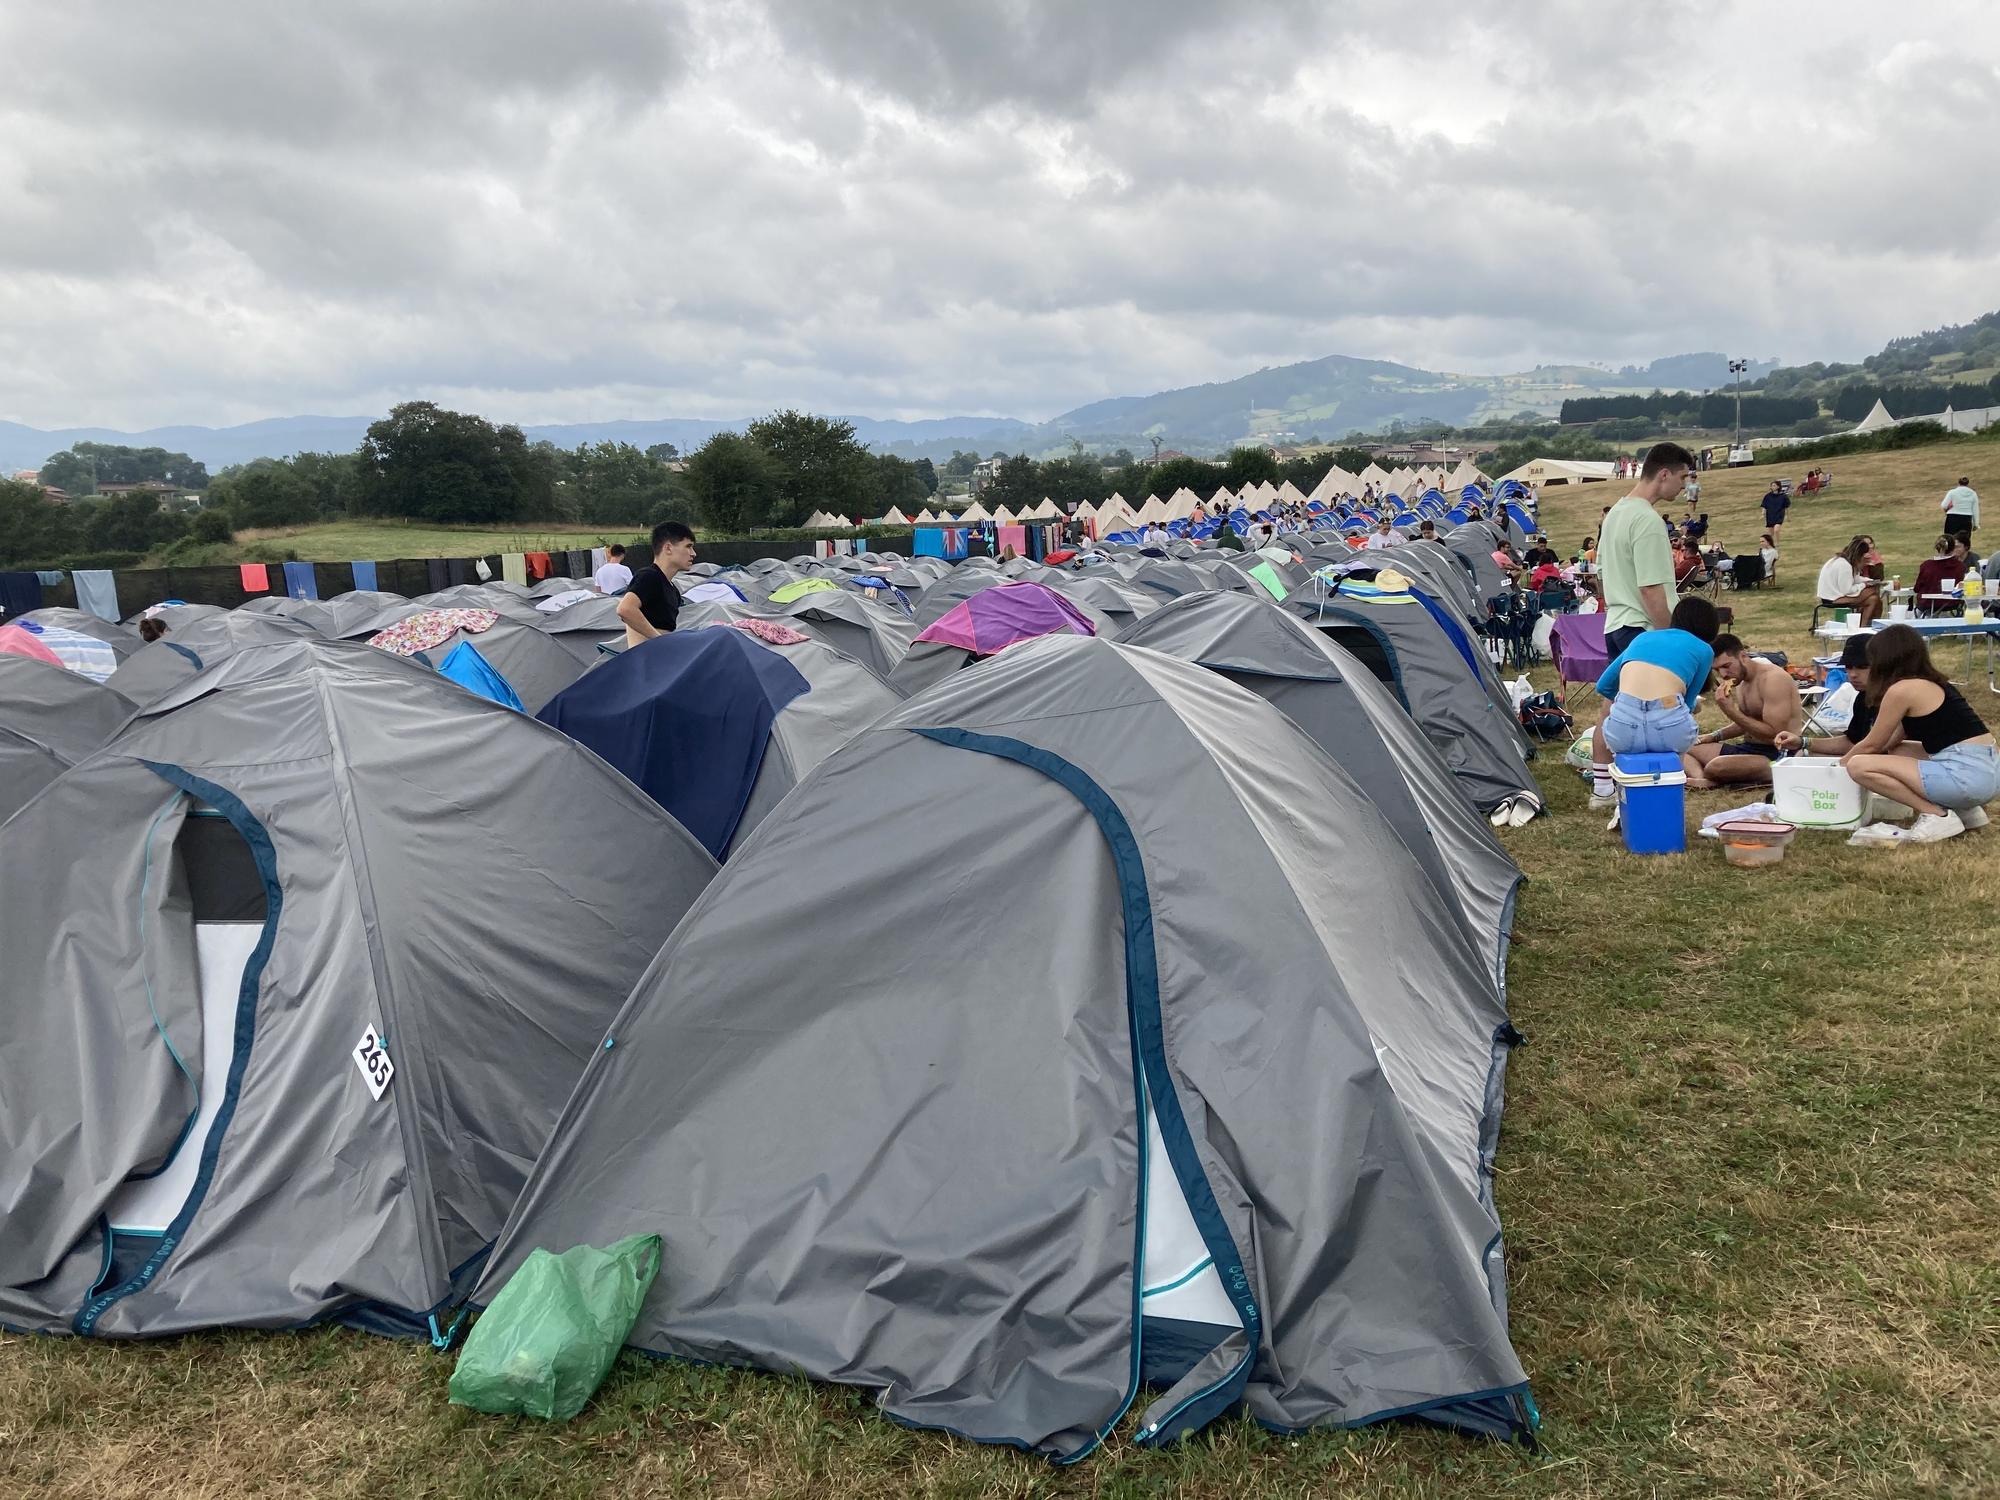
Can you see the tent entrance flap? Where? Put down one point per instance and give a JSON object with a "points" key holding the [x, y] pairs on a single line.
{"points": [[1181, 1281], [148, 1205]]}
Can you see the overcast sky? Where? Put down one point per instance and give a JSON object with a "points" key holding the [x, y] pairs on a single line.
{"points": [[212, 212]]}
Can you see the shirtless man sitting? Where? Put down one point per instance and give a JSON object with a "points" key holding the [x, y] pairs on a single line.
{"points": [[1761, 702]]}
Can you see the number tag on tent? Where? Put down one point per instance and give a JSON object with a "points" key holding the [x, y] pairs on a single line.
{"points": [[372, 1058]]}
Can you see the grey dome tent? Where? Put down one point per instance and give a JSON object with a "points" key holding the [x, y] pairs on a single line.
{"points": [[122, 639], [1222, 1123], [194, 643], [535, 665], [307, 846], [1474, 543], [1440, 679], [1357, 721], [50, 718]]}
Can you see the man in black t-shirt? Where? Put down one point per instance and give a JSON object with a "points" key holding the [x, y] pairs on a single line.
{"points": [[651, 604]]}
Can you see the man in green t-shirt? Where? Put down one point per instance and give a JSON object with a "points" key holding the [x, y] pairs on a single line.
{"points": [[1636, 564]]}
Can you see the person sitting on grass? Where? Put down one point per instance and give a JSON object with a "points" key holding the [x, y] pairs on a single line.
{"points": [[1761, 702], [1841, 585], [1651, 689], [1913, 701], [1854, 661]]}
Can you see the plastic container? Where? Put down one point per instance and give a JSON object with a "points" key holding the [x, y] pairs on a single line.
{"points": [[1816, 792], [1652, 795], [1750, 842]]}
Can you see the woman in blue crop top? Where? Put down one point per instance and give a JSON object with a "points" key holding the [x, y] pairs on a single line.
{"points": [[1651, 688], [1916, 703]]}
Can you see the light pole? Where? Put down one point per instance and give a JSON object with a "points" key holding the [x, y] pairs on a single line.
{"points": [[1736, 369]]}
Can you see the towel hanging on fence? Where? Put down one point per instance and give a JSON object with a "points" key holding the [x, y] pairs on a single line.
{"points": [[514, 568], [299, 581], [51, 578], [579, 563], [97, 593], [364, 575], [254, 579], [19, 593], [538, 566]]}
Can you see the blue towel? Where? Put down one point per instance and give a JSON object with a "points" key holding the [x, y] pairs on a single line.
{"points": [[364, 575], [299, 581], [471, 671], [19, 593], [51, 578], [97, 593]]}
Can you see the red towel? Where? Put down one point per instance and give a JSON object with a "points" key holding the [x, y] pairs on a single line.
{"points": [[254, 580], [538, 566]]}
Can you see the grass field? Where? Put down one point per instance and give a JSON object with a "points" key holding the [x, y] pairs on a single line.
{"points": [[1750, 1176], [377, 540]]}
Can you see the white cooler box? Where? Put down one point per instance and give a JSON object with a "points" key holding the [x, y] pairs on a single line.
{"points": [[1814, 792]]}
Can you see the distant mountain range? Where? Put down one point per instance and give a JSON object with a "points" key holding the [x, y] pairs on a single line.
{"points": [[1322, 398]]}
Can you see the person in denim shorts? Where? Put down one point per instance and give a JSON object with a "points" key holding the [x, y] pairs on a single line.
{"points": [[1651, 687]]}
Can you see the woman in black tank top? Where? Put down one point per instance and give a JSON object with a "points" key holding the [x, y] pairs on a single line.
{"points": [[1927, 750]]}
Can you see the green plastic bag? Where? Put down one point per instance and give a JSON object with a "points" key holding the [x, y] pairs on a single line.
{"points": [[548, 1340]]}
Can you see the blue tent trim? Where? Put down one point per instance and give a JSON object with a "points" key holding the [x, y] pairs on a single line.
{"points": [[265, 857], [1142, 986], [471, 671]]}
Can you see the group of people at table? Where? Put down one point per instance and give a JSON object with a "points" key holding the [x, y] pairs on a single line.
{"points": [[1913, 738]]}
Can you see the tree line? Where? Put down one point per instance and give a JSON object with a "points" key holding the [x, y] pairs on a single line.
{"points": [[1914, 398], [1714, 409]]}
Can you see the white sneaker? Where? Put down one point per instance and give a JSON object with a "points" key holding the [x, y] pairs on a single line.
{"points": [[1973, 817], [1522, 813], [1498, 817], [1935, 828], [1599, 801]]}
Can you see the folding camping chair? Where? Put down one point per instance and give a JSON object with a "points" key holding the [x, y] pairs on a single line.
{"points": [[1576, 646]]}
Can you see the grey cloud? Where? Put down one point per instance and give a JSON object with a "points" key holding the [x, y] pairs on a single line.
{"points": [[604, 210]]}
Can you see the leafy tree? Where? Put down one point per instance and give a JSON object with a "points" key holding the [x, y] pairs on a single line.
{"points": [[70, 471], [1016, 483], [613, 484], [1250, 466], [927, 472], [961, 464], [1184, 473], [266, 494], [130, 523], [34, 529], [899, 483], [663, 453], [734, 483], [334, 479], [211, 525], [822, 467], [80, 468], [431, 464]]}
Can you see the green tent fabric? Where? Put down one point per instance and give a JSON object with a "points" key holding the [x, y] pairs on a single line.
{"points": [[1267, 575], [803, 587]]}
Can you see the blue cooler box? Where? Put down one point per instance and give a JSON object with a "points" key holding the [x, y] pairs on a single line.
{"points": [[1652, 793]]}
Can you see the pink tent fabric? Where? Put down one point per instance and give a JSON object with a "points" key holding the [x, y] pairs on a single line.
{"points": [[18, 642], [993, 619]]}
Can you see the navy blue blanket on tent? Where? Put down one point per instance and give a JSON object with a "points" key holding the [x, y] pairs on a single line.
{"points": [[686, 717]]}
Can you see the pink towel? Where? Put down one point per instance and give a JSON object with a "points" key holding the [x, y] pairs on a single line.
{"points": [[1015, 537], [254, 579]]}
